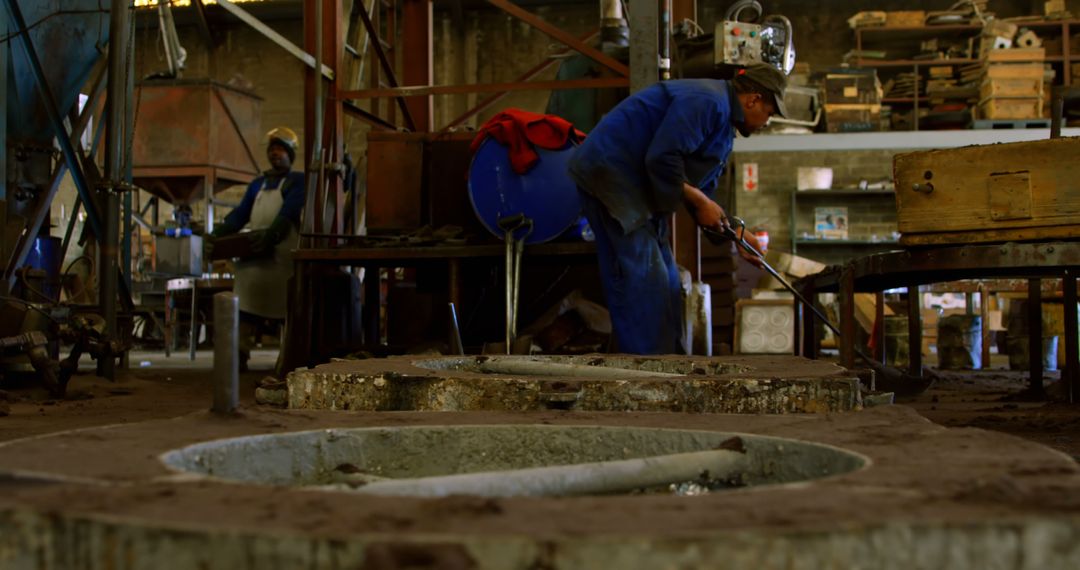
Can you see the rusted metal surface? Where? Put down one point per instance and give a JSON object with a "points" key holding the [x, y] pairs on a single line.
{"points": [[747, 385], [192, 134], [599, 83], [416, 40]]}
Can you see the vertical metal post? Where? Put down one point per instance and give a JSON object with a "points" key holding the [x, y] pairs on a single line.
{"points": [[914, 328], [984, 316], [226, 353], [4, 29], [644, 44], [115, 118], [1035, 340], [879, 326], [416, 41], [847, 318], [1072, 336], [1057, 110]]}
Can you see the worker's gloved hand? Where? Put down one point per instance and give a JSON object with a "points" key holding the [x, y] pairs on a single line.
{"points": [[752, 241], [264, 242]]}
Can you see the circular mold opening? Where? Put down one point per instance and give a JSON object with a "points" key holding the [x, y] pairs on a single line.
{"points": [[529, 460], [615, 367]]}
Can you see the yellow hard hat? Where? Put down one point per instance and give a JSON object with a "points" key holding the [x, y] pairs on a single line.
{"points": [[285, 136]]}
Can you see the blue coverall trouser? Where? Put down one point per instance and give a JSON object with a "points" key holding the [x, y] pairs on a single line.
{"points": [[641, 281]]}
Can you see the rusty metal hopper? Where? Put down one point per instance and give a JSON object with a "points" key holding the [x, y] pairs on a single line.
{"points": [[192, 134]]}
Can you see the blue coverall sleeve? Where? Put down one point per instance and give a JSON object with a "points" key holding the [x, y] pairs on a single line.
{"points": [[241, 215], [686, 127], [293, 198]]}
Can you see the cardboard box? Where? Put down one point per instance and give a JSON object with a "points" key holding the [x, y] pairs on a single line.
{"points": [[852, 118], [859, 87], [792, 264]]}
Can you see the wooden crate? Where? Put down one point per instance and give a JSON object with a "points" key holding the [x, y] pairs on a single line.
{"points": [[1029, 87], [1014, 71], [905, 19], [1011, 108], [1015, 55], [989, 193]]}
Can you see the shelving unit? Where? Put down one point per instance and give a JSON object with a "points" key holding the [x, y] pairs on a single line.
{"points": [[882, 37], [839, 197]]}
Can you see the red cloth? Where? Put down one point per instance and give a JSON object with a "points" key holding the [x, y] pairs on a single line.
{"points": [[521, 131]]}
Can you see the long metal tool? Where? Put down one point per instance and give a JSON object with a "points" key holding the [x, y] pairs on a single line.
{"points": [[515, 247], [729, 234]]}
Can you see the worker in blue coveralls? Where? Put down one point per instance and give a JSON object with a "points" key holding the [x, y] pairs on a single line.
{"points": [[663, 146], [272, 204]]}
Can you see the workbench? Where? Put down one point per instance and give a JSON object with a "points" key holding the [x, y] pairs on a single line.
{"points": [[301, 334], [916, 267]]}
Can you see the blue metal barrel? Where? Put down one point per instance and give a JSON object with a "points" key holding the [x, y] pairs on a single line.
{"points": [[545, 194]]}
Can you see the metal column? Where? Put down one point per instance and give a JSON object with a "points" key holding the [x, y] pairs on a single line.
{"points": [[115, 150], [1035, 341], [644, 44], [1071, 375], [914, 324]]}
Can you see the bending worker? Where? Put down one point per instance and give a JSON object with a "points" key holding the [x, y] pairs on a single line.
{"points": [[272, 204], [663, 146]]}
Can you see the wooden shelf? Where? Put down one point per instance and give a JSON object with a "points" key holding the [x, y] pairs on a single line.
{"points": [[851, 192], [806, 241], [904, 100], [913, 62]]}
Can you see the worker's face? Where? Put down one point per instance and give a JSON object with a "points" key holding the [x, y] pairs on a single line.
{"points": [[278, 157], [756, 109]]}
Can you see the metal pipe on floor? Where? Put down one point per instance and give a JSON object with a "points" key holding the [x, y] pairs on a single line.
{"points": [[226, 353], [569, 480]]}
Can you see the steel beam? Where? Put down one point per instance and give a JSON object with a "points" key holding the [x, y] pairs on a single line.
{"points": [[567, 39], [598, 83], [533, 72], [416, 41], [355, 111], [644, 44], [914, 324], [203, 24], [275, 37], [387, 68]]}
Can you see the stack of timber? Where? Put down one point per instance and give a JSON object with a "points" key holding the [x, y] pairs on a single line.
{"points": [[1012, 85], [990, 193]]}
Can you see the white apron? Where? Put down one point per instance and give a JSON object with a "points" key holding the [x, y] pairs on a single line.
{"points": [[262, 284]]}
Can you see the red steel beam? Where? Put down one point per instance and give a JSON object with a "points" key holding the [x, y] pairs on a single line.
{"points": [[598, 83], [416, 41], [333, 116], [537, 70], [387, 67], [560, 35]]}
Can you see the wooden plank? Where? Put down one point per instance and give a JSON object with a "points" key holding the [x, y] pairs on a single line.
{"points": [[1015, 70], [991, 236], [1011, 108], [1015, 55], [1011, 87], [954, 195]]}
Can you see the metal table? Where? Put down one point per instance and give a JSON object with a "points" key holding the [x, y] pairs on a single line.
{"points": [[196, 286], [915, 267], [300, 332]]}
